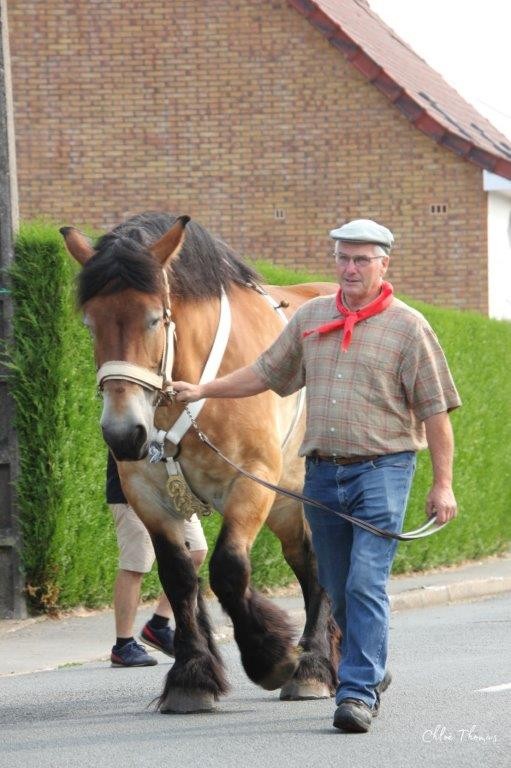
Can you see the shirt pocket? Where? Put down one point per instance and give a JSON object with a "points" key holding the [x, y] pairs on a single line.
{"points": [[380, 385]]}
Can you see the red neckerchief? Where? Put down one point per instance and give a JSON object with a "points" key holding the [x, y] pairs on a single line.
{"points": [[347, 322]]}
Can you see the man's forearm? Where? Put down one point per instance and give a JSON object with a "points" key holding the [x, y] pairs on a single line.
{"points": [[441, 447], [241, 383], [440, 501]]}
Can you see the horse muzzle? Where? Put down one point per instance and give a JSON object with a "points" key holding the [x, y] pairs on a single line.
{"points": [[127, 444], [127, 420]]}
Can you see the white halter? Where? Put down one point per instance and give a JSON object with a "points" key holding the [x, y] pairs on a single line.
{"points": [[119, 369]]}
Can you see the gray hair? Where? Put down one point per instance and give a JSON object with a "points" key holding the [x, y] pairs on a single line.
{"points": [[379, 250]]}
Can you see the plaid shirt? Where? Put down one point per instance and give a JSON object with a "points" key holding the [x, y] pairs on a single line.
{"points": [[372, 399]]}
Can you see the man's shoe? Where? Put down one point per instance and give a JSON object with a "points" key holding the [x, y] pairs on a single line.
{"points": [[161, 639], [353, 716], [131, 655]]}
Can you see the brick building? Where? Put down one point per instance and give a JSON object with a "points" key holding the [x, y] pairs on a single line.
{"points": [[270, 121]]}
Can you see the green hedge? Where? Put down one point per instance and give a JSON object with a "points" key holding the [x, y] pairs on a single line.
{"points": [[68, 547], [69, 551]]}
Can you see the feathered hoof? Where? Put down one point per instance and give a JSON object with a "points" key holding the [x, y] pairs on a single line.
{"points": [[302, 690], [180, 702], [280, 674]]}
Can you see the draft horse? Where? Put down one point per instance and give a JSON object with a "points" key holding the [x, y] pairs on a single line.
{"points": [[147, 272]]}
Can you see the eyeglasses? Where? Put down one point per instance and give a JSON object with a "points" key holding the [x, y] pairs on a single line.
{"points": [[358, 261]]}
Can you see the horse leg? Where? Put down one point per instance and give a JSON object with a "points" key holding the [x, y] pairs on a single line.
{"points": [[196, 679], [262, 631], [316, 674]]}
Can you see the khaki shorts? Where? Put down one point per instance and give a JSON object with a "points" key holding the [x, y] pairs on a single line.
{"points": [[136, 551]]}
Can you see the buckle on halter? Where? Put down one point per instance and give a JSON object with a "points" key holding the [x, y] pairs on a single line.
{"points": [[164, 396], [155, 452]]}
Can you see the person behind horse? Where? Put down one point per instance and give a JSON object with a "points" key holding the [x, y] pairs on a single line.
{"points": [[136, 557], [378, 390]]}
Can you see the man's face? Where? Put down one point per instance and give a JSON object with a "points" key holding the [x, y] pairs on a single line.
{"points": [[360, 282]]}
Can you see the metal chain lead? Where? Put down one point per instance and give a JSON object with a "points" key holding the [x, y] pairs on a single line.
{"points": [[200, 433]]}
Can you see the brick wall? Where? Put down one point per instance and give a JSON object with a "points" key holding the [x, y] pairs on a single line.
{"points": [[232, 111]]}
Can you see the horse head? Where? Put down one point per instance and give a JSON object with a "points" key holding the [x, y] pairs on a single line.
{"points": [[124, 294]]}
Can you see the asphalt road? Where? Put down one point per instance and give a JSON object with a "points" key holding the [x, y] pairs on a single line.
{"points": [[434, 714]]}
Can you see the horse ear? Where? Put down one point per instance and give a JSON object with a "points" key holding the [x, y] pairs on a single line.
{"points": [[167, 247], [79, 246]]}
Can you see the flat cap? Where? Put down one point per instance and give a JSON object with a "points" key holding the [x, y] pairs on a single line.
{"points": [[364, 231]]}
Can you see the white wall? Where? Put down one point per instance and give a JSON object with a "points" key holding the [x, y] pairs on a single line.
{"points": [[499, 255]]}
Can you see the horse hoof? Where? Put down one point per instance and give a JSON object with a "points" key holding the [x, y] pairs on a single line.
{"points": [[179, 702], [301, 690], [280, 674]]}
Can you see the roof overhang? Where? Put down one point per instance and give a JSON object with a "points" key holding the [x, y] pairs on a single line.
{"points": [[406, 103]]}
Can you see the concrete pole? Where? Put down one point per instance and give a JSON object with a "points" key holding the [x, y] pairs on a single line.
{"points": [[12, 600]]}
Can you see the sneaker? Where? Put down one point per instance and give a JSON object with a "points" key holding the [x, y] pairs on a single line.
{"points": [[353, 716], [131, 655], [161, 639]]}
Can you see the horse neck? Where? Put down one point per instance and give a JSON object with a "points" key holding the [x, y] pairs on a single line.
{"points": [[196, 324]]}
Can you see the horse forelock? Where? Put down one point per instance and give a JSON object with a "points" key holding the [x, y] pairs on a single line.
{"points": [[119, 264], [122, 260]]}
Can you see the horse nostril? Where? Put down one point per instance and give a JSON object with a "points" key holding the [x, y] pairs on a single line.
{"points": [[129, 445], [139, 435]]}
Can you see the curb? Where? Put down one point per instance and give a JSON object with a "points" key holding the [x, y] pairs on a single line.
{"points": [[450, 593]]}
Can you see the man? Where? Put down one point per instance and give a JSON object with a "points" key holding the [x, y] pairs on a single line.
{"points": [[378, 390], [136, 557]]}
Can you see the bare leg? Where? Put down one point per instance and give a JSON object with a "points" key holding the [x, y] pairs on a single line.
{"points": [[163, 608], [198, 556], [126, 597]]}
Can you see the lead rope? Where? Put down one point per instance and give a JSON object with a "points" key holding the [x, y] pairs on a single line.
{"points": [[426, 530]]}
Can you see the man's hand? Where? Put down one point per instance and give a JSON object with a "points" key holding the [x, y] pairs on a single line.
{"points": [[187, 393], [441, 502]]}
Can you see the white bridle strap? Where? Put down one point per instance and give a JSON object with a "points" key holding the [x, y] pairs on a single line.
{"points": [[168, 356], [176, 433], [119, 369]]}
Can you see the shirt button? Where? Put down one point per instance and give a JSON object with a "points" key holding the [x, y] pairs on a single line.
{"points": [[339, 375], [332, 429], [334, 401]]}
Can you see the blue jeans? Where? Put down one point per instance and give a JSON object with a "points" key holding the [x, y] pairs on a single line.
{"points": [[354, 565]]}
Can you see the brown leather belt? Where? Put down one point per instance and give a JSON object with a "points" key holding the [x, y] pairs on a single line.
{"points": [[343, 460]]}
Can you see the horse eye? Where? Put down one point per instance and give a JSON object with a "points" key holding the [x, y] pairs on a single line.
{"points": [[154, 323]]}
